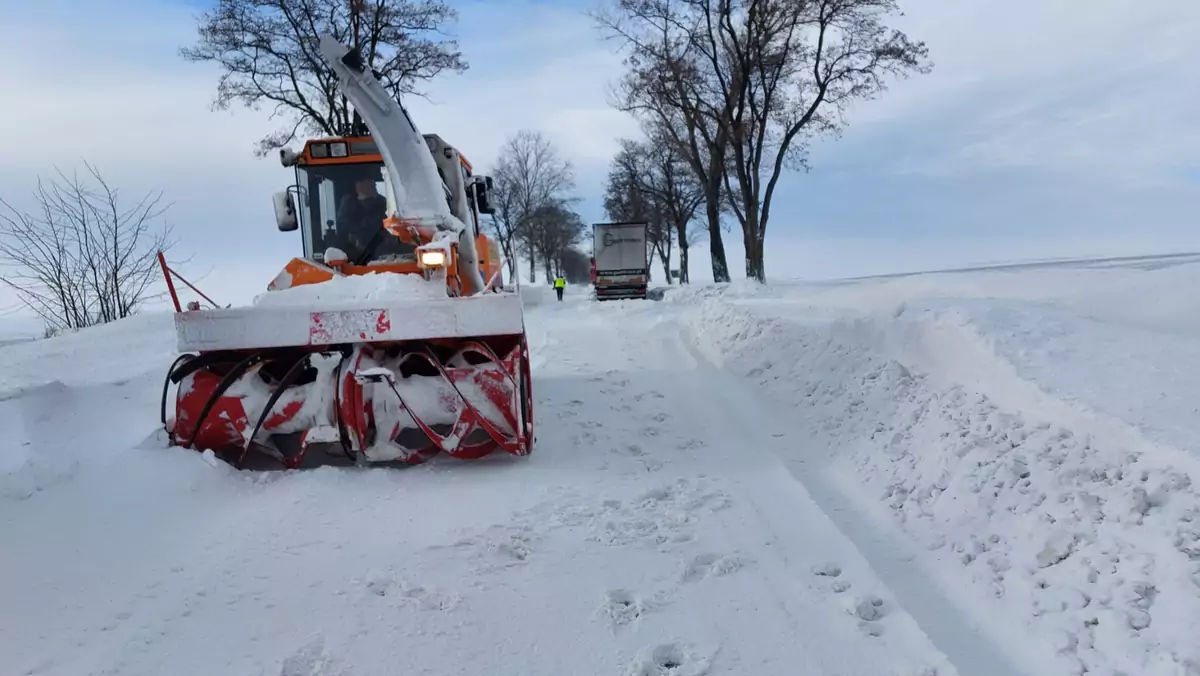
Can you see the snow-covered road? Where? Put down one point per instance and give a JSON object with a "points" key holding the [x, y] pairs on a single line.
{"points": [[650, 533]]}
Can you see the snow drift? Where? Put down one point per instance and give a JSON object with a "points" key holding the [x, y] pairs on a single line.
{"points": [[52, 392], [990, 436]]}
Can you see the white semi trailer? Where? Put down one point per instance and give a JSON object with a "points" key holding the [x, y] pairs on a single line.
{"points": [[620, 260]]}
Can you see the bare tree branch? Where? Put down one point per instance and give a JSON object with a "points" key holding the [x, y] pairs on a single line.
{"points": [[529, 174], [650, 182], [671, 86], [267, 51], [556, 230]]}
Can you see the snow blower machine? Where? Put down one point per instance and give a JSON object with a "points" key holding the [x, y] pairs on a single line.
{"points": [[393, 339]]}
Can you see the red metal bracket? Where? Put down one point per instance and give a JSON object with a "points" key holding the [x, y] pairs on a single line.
{"points": [[168, 273]]}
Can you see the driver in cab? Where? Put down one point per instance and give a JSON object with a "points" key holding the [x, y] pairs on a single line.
{"points": [[360, 223]]}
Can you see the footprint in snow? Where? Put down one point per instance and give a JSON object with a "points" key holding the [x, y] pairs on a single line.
{"points": [[405, 594], [497, 548], [867, 607], [710, 565], [871, 628], [833, 572], [828, 569], [671, 659], [312, 659], [652, 465], [635, 451], [513, 546], [623, 607]]}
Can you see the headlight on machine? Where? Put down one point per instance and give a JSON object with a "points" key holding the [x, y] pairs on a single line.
{"points": [[433, 259]]}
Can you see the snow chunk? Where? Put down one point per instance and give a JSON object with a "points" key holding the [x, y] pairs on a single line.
{"points": [[828, 569], [1058, 547]]}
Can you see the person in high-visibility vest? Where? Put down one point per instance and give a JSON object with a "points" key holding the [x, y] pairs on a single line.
{"points": [[560, 283]]}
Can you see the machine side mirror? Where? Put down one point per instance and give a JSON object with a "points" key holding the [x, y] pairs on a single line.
{"points": [[285, 211], [483, 194]]}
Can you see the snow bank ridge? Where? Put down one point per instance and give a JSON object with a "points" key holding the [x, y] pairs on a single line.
{"points": [[1055, 517]]}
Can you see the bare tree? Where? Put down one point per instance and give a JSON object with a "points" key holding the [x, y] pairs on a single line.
{"points": [[84, 258], [267, 51], [628, 198], [744, 84], [650, 181], [506, 217], [801, 64], [556, 229], [671, 87], [678, 194], [528, 174], [625, 199], [575, 266]]}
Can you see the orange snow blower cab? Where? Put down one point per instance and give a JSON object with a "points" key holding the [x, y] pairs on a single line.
{"points": [[346, 198], [391, 340]]}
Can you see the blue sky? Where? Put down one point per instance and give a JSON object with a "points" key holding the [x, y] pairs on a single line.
{"points": [[1047, 128]]}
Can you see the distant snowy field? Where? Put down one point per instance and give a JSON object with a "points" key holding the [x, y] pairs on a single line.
{"points": [[985, 473]]}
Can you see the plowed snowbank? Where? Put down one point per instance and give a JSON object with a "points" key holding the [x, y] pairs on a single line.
{"points": [[925, 407]]}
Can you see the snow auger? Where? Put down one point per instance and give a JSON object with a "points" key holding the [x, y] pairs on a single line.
{"points": [[389, 343]]}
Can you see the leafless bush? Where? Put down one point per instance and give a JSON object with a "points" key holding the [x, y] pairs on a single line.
{"points": [[82, 258]]}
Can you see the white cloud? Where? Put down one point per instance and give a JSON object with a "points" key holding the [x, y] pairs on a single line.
{"points": [[1103, 88]]}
